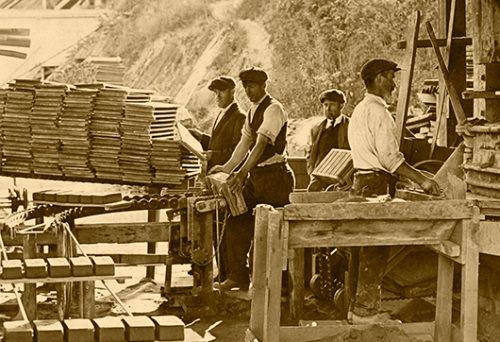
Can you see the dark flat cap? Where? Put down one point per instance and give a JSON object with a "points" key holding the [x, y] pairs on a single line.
{"points": [[375, 66], [222, 83], [332, 95], [253, 74]]}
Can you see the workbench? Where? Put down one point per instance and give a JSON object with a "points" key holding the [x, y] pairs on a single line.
{"points": [[450, 227]]}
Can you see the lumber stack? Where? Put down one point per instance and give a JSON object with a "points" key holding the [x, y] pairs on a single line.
{"points": [[45, 114], [108, 69], [235, 201], [166, 162], [74, 132], [335, 168]]}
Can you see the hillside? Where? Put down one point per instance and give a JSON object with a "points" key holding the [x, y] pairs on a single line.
{"points": [[175, 47]]}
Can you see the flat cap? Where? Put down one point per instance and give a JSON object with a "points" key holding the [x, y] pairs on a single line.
{"points": [[222, 83], [334, 95], [375, 66], [253, 74]]}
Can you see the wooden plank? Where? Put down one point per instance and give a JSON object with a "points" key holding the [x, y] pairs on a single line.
{"points": [[296, 270], [258, 276], [447, 248], [488, 237], [426, 43], [310, 333], [450, 176], [444, 295], [13, 54], [60, 280], [153, 217], [480, 94], [189, 141], [122, 232], [29, 292], [6, 40], [426, 210], [454, 97], [88, 296], [272, 298], [317, 197], [304, 234], [62, 300], [408, 66], [15, 31], [470, 283]]}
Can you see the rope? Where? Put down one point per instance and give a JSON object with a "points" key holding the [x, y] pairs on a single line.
{"points": [[14, 286], [66, 226]]}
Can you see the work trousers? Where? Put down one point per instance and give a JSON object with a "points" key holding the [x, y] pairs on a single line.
{"points": [[372, 260], [270, 184]]}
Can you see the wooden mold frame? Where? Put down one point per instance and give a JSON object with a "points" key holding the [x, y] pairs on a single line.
{"points": [[281, 235]]}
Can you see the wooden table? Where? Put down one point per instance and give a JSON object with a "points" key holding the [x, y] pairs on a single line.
{"points": [[281, 235]]}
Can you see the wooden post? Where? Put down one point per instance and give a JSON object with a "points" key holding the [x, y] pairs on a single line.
{"points": [[153, 216], [62, 298], [444, 296], [258, 276], [29, 293], [88, 295], [272, 309], [296, 269], [206, 245]]}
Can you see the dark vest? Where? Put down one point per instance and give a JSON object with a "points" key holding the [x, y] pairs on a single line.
{"points": [[258, 117], [329, 139]]}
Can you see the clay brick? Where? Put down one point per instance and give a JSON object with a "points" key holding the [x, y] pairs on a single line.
{"points": [[85, 198], [139, 329], [81, 266], [103, 265], [73, 197], [78, 330], [59, 267], [12, 269], [17, 331], [169, 328], [50, 195], [48, 331], [109, 329], [35, 268], [106, 197]]}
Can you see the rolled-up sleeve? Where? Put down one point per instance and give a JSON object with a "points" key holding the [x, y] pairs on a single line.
{"points": [[273, 120], [386, 144]]}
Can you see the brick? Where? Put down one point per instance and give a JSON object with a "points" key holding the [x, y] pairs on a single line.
{"points": [[59, 267], [169, 328], [78, 330], [18, 331], [85, 198], [103, 265], [50, 195], [48, 331], [12, 269], [109, 329], [74, 197], [35, 268], [106, 197], [139, 329], [81, 266]]}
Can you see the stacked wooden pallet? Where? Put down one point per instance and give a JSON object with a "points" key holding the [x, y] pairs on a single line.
{"points": [[166, 162], [16, 127], [74, 132], [108, 69], [45, 115], [105, 133], [335, 168]]}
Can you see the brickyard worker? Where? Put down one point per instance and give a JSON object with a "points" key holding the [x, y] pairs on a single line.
{"points": [[223, 138], [264, 176], [329, 133], [377, 159]]}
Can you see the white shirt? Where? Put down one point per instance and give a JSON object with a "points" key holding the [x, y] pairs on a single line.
{"points": [[372, 136]]}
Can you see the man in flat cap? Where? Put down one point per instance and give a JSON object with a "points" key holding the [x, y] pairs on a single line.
{"points": [[264, 175], [376, 159], [226, 129], [329, 133], [220, 143]]}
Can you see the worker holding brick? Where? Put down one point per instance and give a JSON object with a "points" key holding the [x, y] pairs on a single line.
{"points": [[223, 138], [329, 133], [377, 160], [264, 175]]}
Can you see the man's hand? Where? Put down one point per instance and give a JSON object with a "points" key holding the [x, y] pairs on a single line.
{"points": [[208, 154], [430, 186], [236, 181]]}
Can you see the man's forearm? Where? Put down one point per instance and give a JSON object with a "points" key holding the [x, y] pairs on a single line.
{"points": [[255, 154], [408, 171], [238, 155]]}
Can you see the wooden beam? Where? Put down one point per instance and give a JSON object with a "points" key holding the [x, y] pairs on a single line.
{"points": [[309, 234], [481, 94], [14, 41], [122, 232], [403, 211], [406, 78], [13, 54], [60, 280], [317, 197], [426, 43], [444, 298], [296, 271], [15, 31]]}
